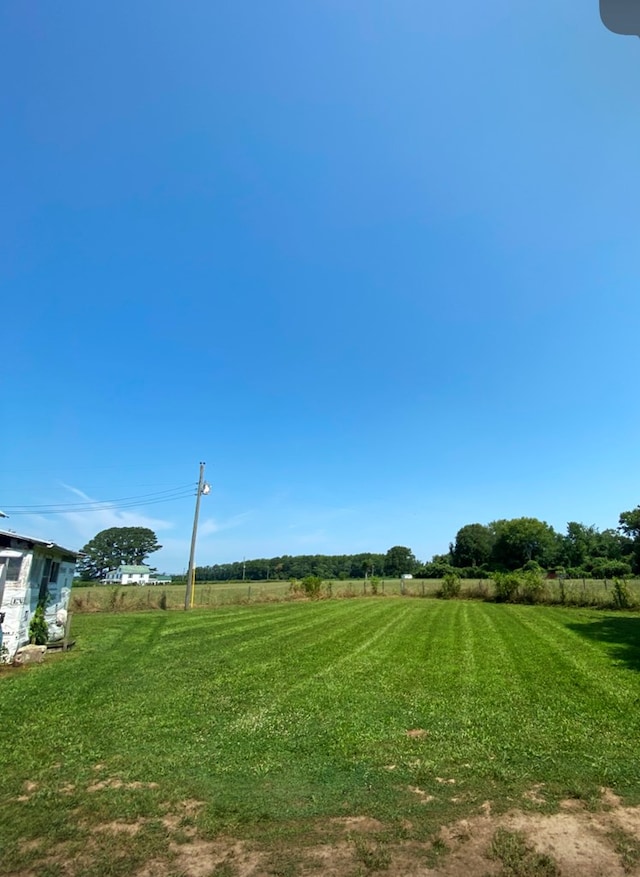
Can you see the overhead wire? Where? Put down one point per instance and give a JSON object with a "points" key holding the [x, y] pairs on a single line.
{"points": [[155, 498]]}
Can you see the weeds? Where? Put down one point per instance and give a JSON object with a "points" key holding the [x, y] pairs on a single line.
{"points": [[450, 586], [518, 859], [622, 598], [374, 857], [627, 847], [438, 849]]}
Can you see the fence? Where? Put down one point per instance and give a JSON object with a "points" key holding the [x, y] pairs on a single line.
{"points": [[103, 598]]}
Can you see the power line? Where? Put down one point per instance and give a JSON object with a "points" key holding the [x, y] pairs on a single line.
{"points": [[161, 496]]}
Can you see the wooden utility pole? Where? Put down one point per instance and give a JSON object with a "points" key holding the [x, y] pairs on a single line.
{"points": [[203, 488]]}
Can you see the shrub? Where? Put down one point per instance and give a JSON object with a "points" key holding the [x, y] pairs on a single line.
{"points": [[578, 572], [437, 570], [622, 597], [506, 584], [38, 628], [163, 600], [604, 568], [374, 583], [479, 591], [312, 586], [532, 566], [450, 586], [531, 588]]}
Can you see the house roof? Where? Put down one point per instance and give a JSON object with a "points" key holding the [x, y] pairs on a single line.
{"points": [[6, 536], [133, 568]]}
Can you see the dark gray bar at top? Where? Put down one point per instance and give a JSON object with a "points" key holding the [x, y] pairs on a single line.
{"points": [[621, 16]]}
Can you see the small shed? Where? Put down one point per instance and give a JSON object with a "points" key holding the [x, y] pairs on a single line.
{"points": [[32, 571]]}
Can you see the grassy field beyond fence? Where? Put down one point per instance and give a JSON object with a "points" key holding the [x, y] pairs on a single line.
{"points": [[97, 598]]}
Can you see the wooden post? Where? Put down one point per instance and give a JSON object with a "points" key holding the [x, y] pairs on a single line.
{"points": [[67, 630]]}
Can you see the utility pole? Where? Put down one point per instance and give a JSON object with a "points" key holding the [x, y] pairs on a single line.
{"points": [[203, 490]]}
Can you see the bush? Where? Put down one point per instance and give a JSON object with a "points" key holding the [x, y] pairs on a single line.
{"points": [[604, 568], [532, 566], [622, 597], [312, 585], [506, 584], [532, 587], [450, 586], [435, 571], [374, 583], [38, 628], [578, 572]]}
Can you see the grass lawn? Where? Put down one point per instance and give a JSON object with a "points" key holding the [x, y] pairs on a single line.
{"points": [[271, 723]]}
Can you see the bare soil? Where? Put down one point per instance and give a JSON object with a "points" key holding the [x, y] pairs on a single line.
{"points": [[581, 843]]}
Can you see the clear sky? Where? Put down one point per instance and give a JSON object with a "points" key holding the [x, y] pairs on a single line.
{"points": [[375, 262]]}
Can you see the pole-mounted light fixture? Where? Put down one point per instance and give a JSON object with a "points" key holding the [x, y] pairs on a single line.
{"points": [[203, 489]]}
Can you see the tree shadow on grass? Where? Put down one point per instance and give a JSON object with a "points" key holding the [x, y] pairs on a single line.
{"points": [[620, 632]]}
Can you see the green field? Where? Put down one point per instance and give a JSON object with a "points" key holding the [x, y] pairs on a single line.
{"points": [[276, 720], [95, 598]]}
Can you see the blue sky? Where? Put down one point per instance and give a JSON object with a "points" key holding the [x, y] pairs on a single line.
{"points": [[376, 263]]}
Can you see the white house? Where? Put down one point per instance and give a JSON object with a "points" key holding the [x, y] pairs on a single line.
{"points": [[130, 574], [32, 571]]}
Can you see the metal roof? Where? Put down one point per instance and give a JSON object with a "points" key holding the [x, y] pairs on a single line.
{"points": [[45, 543], [133, 568]]}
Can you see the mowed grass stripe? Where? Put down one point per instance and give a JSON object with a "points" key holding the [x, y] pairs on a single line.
{"points": [[338, 649]]}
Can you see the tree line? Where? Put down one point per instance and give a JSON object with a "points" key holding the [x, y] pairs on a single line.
{"points": [[477, 551], [583, 551], [393, 563]]}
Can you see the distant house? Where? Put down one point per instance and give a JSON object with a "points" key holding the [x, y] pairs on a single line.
{"points": [[32, 571], [406, 575], [129, 574]]}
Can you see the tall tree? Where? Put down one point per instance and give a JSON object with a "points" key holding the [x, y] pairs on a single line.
{"points": [[630, 525], [522, 539], [473, 545], [399, 560], [579, 544], [118, 545]]}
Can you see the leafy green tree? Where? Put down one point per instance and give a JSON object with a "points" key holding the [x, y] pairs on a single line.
{"points": [[579, 544], [399, 560], [629, 524], [522, 539], [473, 545], [117, 545], [608, 568]]}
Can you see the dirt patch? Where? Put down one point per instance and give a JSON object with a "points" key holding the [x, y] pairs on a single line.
{"points": [[357, 823], [118, 827], [534, 794], [115, 783], [417, 733], [421, 794], [609, 798], [581, 842], [200, 858]]}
